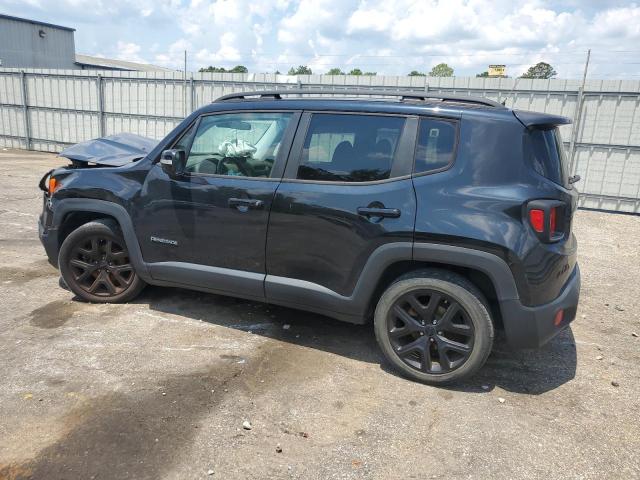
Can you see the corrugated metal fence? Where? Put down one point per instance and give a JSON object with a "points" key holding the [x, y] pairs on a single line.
{"points": [[50, 109]]}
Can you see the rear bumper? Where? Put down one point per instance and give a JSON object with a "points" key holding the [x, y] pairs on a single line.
{"points": [[49, 239], [531, 327]]}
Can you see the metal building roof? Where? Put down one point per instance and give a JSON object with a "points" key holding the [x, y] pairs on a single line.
{"points": [[36, 22], [98, 63]]}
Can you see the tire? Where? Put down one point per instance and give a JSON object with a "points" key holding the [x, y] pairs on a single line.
{"points": [[95, 265], [453, 348]]}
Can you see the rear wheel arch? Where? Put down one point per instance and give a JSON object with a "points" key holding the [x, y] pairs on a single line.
{"points": [[406, 269], [489, 273]]}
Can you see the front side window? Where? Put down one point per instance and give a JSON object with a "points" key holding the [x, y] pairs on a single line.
{"points": [[436, 144], [350, 148], [237, 144]]}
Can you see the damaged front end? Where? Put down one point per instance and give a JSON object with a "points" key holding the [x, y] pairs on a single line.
{"points": [[112, 151]]}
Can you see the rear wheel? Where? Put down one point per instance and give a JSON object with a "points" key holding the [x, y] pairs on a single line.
{"points": [[434, 326], [95, 264]]}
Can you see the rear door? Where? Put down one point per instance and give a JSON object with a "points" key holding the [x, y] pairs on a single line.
{"points": [[346, 192]]}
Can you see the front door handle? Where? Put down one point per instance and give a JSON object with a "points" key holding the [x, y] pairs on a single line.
{"points": [[378, 212], [243, 204]]}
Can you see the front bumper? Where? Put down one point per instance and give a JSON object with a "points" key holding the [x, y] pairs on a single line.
{"points": [[532, 327], [49, 239]]}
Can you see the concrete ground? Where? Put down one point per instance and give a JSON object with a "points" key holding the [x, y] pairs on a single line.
{"points": [[160, 388]]}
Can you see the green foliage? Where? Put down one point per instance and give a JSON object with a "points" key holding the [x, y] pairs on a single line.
{"points": [[357, 71], [301, 70], [540, 70], [415, 73], [236, 69], [441, 70], [335, 71], [483, 74]]}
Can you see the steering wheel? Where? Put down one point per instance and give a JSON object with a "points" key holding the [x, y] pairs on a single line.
{"points": [[240, 162]]}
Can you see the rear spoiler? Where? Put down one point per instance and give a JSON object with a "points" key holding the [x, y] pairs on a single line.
{"points": [[540, 120]]}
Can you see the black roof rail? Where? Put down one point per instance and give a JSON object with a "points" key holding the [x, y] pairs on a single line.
{"points": [[408, 95]]}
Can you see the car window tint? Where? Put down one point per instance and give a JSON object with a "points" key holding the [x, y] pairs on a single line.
{"points": [[546, 154], [349, 148], [237, 144], [436, 143]]}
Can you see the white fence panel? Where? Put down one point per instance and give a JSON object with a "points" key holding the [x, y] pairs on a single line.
{"points": [[64, 107]]}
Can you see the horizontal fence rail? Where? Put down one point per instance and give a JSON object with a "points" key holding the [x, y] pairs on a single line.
{"points": [[49, 110]]}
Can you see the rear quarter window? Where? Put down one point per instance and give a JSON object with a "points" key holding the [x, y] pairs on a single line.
{"points": [[544, 150], [436, 145]]}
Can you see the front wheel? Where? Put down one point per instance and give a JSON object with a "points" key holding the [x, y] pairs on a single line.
{"points": [[434, 327], [95, 264]]}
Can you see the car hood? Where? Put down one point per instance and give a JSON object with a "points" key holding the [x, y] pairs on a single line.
{"points": [[111, 151]]}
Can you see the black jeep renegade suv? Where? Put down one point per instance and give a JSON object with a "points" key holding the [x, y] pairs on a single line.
{"points": [[441, 218]]}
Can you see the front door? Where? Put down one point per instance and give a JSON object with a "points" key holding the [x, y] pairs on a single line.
{"points": [[207, 227], [346, 192]]}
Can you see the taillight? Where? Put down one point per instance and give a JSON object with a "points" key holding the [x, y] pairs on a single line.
{"points": [[546, 219], [552, 220], [536, 217]]}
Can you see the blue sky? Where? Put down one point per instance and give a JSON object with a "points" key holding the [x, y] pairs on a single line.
{"points": [[385, 36]]}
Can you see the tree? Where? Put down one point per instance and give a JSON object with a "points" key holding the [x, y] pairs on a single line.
{"points": [[236, 69], [213, 69], [415, 73], [301, 70], [335, 71], [540, 70], [370, 74], [441, 70], [355, 71], [483, 74]]}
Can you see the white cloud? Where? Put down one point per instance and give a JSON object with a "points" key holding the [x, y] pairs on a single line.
{"points": [[387, 36], [129, 51]]}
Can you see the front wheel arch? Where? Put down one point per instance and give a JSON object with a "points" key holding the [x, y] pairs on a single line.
{"points": [[85, 208]]}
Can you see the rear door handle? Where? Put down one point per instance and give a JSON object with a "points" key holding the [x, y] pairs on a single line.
{"points": [[243, 204], [379, 212]]}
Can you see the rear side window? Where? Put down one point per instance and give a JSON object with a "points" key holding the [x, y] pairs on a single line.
{"points": [[436, 144], [545, 151], [350, 148]]}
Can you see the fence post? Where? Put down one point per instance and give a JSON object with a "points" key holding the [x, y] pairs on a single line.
{"points": [[25, 110], [192, 95], [100, 105], [577, 116]]}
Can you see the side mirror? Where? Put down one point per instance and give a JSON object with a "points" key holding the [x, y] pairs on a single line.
{"points": [[173, 162]]}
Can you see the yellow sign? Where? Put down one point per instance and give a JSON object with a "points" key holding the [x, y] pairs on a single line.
{"points": [[497, 70]]}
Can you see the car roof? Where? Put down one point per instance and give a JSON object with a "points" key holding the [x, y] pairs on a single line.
{"points": [[368, 105], [377, 101]]}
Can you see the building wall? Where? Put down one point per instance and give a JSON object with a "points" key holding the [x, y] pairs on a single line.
{"points": [[22, 47]]}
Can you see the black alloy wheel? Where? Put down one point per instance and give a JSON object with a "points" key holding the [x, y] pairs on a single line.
{"points": [[434, 326], [430, 331], [95, 264], [101, 266]]}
